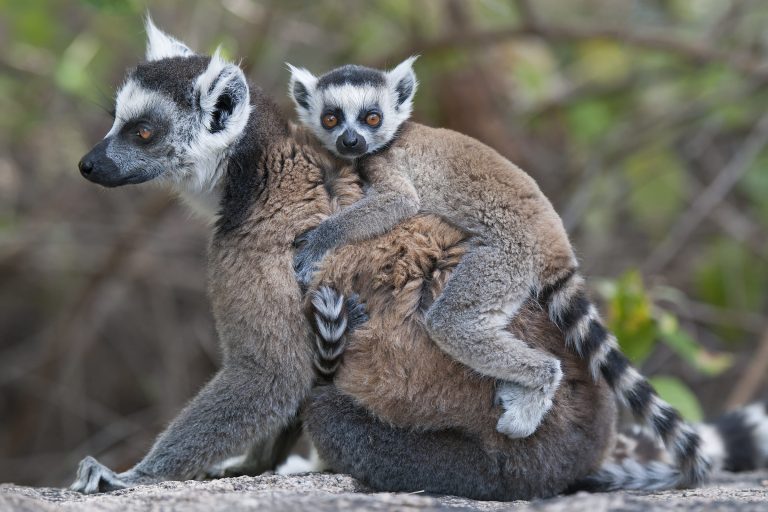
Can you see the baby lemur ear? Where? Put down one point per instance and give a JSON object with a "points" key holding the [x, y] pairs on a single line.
{"points": [[222, 93], [402, 82], [162, 46], [301, 87]]}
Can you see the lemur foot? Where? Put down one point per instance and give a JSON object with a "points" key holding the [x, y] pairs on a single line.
{"points": [[524, 409], [94, 477]]}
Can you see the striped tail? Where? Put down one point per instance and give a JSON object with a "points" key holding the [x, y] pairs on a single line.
{"points": [[570, 309], [737, 440], [333, 318]]}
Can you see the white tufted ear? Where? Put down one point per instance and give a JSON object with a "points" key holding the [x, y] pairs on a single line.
{"points": [[162, 46], [402, 83], [301, 87], [223, 94]]}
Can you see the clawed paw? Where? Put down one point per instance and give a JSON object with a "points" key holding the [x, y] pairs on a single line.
{"points": [[524, 409], [94, 477], [305, 262]]}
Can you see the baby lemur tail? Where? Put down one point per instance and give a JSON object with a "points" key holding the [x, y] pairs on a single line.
{"points": [[333, 318], [571, 310]]}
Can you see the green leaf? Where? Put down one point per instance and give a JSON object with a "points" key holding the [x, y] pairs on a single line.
{"points": [[630, 318], [703, 360], [679, 395]]}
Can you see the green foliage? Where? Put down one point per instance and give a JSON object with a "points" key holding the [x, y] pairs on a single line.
{"points": [[629, 316], [729, 275], [602, 61], [589, 121], [755, 187], [680, 396], [657, 183], [705, 361], [639, 327]]}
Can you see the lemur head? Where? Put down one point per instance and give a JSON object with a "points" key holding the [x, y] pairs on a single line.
{"points": [[176, 117], [354, 110]]}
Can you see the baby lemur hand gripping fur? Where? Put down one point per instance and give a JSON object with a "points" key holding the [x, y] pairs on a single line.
{"points": [[519, 248]]}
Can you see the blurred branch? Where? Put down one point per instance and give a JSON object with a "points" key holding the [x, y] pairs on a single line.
{"points": [[653, 40], [750, 382], [709, 314], [710, 197]]}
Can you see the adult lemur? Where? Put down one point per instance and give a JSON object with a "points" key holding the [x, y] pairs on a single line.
{"points": [[519, 248], [194, 121]]}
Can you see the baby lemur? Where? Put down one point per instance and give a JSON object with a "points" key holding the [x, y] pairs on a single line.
{"points": [[519, 248]]}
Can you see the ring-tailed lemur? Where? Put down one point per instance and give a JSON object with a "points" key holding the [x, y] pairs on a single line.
{"points": [[274, 183], [520, 248]]}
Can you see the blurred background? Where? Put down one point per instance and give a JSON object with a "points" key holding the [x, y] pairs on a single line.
{"points": [[645, 122]]}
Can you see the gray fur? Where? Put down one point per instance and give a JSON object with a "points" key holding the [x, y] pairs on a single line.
{"points": [[521, 249]]}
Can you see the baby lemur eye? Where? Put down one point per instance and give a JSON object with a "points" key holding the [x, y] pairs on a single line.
{"points": [[330, 120], [373, 119], [144, 133]]}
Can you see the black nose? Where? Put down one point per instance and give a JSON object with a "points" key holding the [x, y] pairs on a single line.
{"points": [[85, 166], [349, 141]]}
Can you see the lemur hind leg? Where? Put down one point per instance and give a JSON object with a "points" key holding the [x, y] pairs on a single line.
{"points": [[350, 439], [263, 455], [468, 321]]}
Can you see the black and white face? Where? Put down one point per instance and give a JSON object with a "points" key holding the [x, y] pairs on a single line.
{"points": [[176, 116], [354, 110]]}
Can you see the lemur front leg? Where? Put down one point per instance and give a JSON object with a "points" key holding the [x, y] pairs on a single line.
{"points": [[393, 200], [249, 398], [468, 321]]}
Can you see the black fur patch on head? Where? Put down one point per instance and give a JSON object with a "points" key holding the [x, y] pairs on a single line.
{"points": [[739, 440], [404, 89], [301, 95], [353, 75], [614, 366], [174, 77]]}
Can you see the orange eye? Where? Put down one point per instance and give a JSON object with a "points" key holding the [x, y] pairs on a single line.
{"points": [[373, 119], [144, 132], [330, 120]]}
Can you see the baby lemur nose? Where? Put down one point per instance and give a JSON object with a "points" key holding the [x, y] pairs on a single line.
{"points": [[85, 166], [349, 139]]}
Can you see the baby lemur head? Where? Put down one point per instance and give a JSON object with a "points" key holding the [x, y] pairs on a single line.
{"points": [[176, 117], [354, 110]]}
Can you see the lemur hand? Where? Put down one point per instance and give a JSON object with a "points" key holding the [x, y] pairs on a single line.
{"points": [[94, 477], [311, 249]]}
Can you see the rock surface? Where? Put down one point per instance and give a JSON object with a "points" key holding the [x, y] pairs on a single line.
{"points": [[328, 492]]}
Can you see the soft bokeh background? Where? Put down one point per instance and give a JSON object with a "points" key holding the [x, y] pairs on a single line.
{"points": [[644, 121]]}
